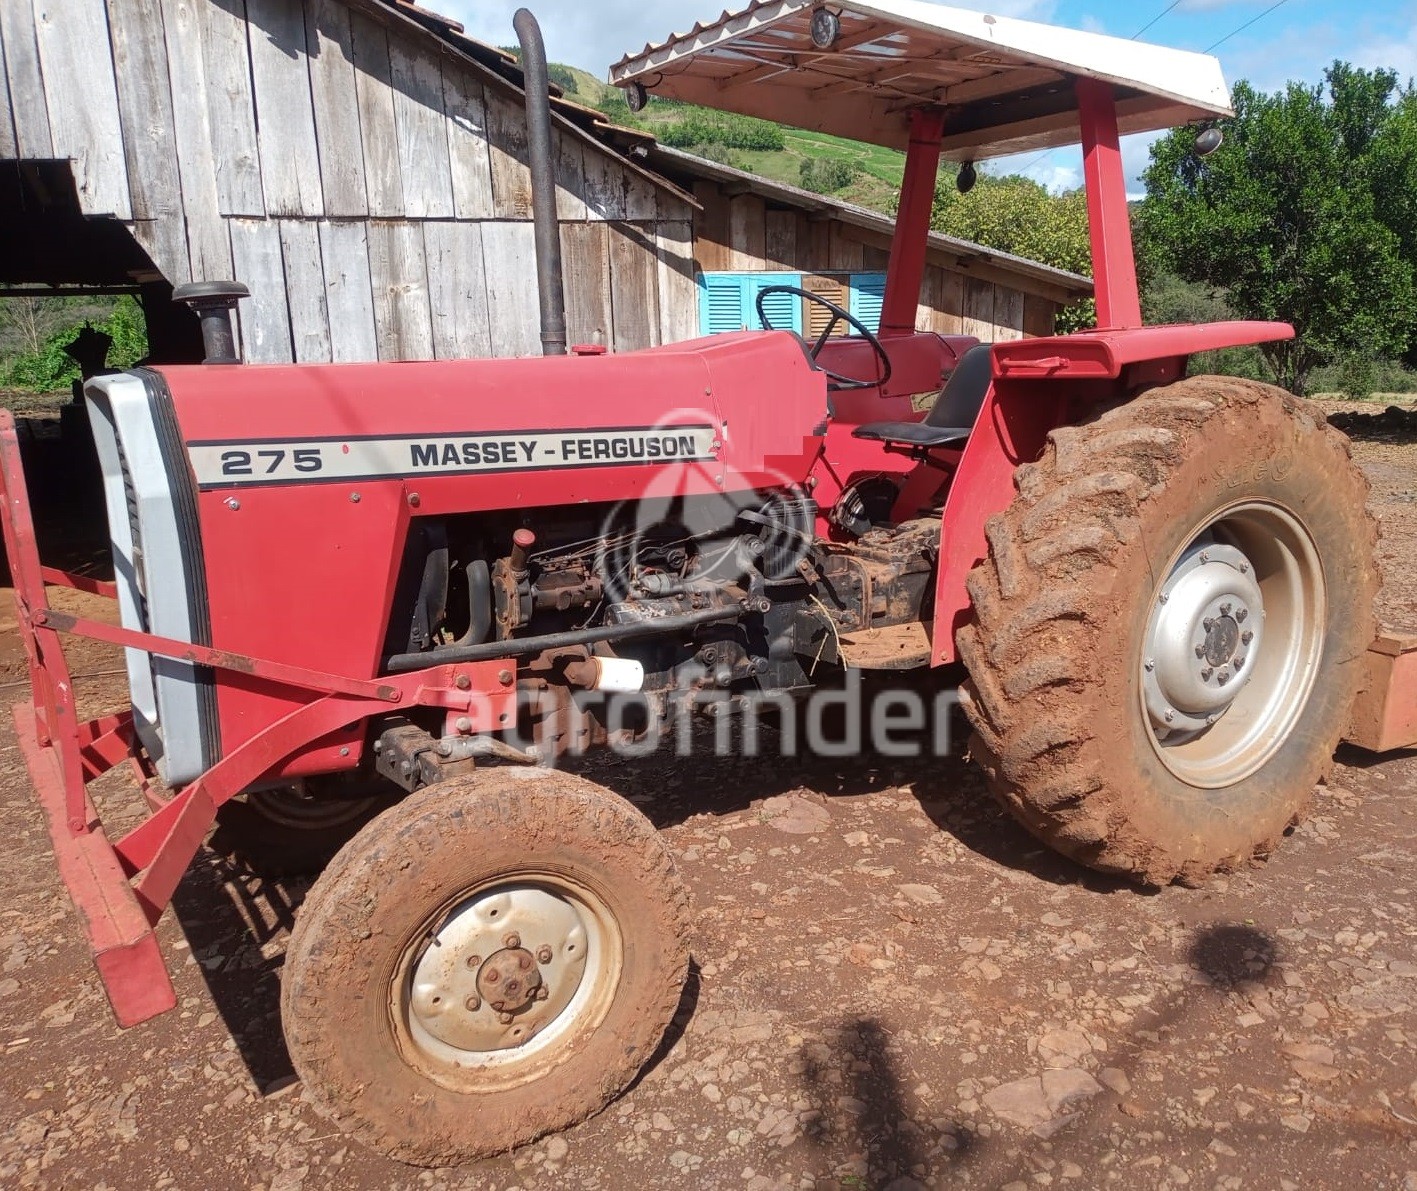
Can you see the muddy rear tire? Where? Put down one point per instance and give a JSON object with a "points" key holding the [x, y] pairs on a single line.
{"points": [[1169, 629], [491, 960]]}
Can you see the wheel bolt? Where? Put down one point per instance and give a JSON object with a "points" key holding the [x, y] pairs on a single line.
{"points": [[1225, 609], [1208, 623], [1200, 651], [541, 993], [512, 941], [1246, 637], [1238, 661], [474, 961], [1206, 673], [1242, 615], [473, 1004], [543, 955], [1224, 677], [505, 1018]]}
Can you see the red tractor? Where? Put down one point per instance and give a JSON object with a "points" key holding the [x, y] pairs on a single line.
{"points": [[1160, 586]]}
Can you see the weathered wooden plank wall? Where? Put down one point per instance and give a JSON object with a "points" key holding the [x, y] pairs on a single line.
{"points": [[369, 184]]}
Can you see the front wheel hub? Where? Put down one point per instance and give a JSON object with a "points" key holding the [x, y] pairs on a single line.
{"points": [[502, 971]]}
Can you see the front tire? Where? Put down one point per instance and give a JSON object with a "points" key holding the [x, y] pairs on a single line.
{"points": [[1169, 629], [491, 960]]}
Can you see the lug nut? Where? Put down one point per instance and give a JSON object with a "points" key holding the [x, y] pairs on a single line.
{"points": [[473, 1004], [1238, 661], [474, 961], [505, 1018], [1246, 637], [512, 941], [1225, 609], [524, 962], [1206, 674], [1224, 677], [1150, 665], [1205, 556], [1170, 715], [499, 1006], [1200, 651], [1242, 615], [542, 993], [492, 976], [543, 955], [1208, 623], [1244, 568]]}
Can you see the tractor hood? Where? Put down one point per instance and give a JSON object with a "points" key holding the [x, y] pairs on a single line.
{"points": [[857, 69]]}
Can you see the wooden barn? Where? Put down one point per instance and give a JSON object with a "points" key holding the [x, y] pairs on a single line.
{"points": [[362, 167]]}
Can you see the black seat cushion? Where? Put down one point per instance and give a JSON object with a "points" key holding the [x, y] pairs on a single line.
{"points": [[952, 417], [917, 434]]}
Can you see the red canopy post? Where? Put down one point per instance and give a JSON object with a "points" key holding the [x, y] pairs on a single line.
{"points": [[906, 272], [1114, 269]]}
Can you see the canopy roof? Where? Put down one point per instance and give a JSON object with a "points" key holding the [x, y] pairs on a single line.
{"points": [[1010, 82]]}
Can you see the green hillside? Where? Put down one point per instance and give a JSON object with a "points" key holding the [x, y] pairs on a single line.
{"points": [[847, 170]]}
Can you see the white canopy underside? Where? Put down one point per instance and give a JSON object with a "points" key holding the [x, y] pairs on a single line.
{"points": [[1010, 82]]}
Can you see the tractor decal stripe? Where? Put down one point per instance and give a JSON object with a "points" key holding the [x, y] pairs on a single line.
{"points": [[228, 464]]}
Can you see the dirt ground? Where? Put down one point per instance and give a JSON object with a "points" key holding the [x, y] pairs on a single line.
{"points": [[893, 987]]}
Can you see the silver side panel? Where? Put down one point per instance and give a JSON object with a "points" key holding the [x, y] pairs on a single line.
{"points": [[150, 569]]}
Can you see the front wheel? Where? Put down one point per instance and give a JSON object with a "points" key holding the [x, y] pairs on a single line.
{"points": [[491, 960], [1170, 626]]}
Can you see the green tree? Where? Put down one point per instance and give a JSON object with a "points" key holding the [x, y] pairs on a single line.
{"points": [[50, 369], [1016, 215], [1304, 215]]}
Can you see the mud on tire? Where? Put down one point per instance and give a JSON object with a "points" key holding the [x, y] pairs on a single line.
{"points": [[388, 993], [1066, 606]]}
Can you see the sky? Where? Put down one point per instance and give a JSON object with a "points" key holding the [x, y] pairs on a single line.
{"points": [[1294, 41]]}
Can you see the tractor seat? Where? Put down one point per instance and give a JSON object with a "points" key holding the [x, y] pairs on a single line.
{"points": [[951, 418]]}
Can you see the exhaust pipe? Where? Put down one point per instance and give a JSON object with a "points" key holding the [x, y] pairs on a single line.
{"points": [[549, 280]]}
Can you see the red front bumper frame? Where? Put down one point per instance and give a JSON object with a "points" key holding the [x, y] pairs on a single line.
{"points": [[121, 888]]}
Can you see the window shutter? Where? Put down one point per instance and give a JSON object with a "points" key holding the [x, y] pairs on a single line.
{"points": [[721, 304], [784, 311], [729, 302], [868, 296], [833, 289]]}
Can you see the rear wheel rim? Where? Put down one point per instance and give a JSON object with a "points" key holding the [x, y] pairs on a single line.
{"points": [[1233, 644], [505, 982]]}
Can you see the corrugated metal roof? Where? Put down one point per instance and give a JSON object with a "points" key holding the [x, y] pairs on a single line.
{"points": [[1010, 84]]}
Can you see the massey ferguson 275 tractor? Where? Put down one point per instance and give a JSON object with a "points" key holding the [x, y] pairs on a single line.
{"points": [[437, 575]]}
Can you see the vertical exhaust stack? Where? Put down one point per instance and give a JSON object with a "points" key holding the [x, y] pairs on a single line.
{"points": [[214, 302], [549, 279]]}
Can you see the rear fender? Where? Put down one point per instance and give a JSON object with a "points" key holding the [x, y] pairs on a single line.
{"points": [[1040, 384]]}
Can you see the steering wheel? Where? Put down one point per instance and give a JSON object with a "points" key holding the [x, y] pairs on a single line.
{"points": [[838, 383]]}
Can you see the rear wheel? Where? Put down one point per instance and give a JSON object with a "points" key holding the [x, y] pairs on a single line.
{"points": [[1170, 626], [491, 960]]}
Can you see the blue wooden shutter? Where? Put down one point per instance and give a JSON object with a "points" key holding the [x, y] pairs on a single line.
{"points": [[868, 295], [784, 310], [721, 304], [729, 302]]}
